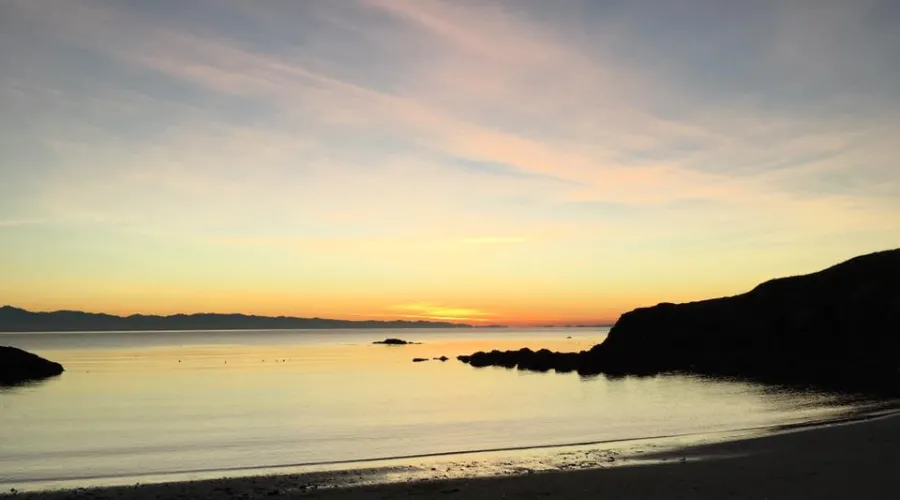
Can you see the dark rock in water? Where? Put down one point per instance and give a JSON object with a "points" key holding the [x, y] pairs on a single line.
{"points": [[442, 358], [18, 366], [524, 359], [419, 360], [838, 327], [392, 341]]}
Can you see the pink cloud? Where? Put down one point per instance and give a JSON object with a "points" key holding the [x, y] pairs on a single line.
{"points": [[588, 109]]}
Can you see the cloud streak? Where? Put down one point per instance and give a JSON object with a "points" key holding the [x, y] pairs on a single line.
{"points": [[430, 129]]}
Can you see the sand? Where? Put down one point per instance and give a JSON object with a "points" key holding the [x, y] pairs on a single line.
{"points": [[858, 460]]}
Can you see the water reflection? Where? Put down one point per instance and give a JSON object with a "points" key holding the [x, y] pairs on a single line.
{"points": [[167, 402]]}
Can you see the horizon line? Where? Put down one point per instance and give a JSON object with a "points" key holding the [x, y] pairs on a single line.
{"points": [[362, 319]]}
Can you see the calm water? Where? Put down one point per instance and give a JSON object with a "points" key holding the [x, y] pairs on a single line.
{"points": [[162, 403]]}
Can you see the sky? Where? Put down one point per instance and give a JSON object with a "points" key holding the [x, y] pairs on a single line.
{"points": [[517, 162]]}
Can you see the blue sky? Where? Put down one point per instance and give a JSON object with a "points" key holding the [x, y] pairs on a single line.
{"points": [[355, 157]]}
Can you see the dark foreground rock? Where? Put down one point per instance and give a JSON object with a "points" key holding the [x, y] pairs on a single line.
{"points": [[836, 327], [393, 341], [18, 366]]}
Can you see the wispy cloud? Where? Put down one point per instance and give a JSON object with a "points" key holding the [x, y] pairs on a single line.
{"points": [[492, 240], [504, 170], [483, 133], [20, 222], [594, 129]]}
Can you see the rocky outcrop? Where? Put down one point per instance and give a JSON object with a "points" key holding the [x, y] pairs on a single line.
{"points": [[840, 326], [526, 359], [18, 366], [393, 341]]}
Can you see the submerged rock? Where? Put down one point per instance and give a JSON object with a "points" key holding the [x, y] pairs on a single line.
{"points": [[18, 366]]}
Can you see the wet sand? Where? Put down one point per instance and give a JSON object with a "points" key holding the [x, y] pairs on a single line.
{"points": [[836, 461]]}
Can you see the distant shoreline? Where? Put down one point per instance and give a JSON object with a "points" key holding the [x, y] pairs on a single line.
{"points": [[224, 330], [17, 320]]}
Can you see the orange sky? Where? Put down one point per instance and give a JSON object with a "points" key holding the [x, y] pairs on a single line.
{"points": [[491, 162]]}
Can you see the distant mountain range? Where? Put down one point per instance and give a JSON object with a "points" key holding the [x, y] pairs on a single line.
{"points": [[14, 319]]}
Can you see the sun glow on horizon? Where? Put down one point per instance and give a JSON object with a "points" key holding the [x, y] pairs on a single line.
{"points": [[511, 162], [438, 312]]}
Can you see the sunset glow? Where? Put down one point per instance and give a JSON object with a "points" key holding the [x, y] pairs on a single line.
{"points": [[488, 162]]}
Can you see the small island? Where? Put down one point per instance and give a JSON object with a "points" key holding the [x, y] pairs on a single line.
{"points": [[18, 366], [393, 341]]}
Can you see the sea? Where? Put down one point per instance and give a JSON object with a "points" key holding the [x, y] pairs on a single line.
{"points": [[137, 407]]}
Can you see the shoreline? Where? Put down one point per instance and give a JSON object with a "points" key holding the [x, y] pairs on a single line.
{"points": [[711, 458]]}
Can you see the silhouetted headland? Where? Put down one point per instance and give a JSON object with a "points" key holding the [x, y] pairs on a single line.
{"points": [[18, 366], [14, 319], [837, 327]]}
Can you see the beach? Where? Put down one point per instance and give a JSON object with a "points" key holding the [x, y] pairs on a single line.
{"points": [[830, 461]]}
